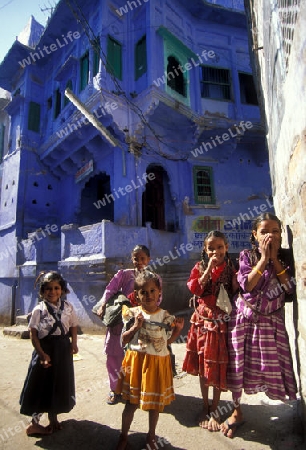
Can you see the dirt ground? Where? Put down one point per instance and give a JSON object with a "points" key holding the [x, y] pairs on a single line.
{"points": [[94, 425]]}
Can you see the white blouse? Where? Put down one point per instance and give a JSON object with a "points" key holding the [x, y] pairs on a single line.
{"points": [[43, 322]]}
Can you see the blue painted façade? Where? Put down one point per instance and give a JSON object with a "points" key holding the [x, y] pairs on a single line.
{"points": [[173, 148]]}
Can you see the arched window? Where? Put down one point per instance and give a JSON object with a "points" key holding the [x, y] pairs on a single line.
{"points": [[175, 77], [203, 185]]}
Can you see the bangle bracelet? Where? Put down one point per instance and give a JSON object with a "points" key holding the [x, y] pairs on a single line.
{"points": [[281, 273], [258, 271]]}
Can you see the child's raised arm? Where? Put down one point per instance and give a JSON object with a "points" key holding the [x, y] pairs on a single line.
{"points": [[127, 336]]}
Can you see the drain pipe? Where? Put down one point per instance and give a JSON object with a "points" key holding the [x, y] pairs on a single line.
{"points": [[13, 310], [14, 296]]}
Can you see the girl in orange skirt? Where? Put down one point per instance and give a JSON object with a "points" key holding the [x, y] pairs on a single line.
{"points": [[207, 354], [145, 379]]}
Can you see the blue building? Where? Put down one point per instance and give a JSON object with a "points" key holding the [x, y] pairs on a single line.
{"points": [[129, 122]]}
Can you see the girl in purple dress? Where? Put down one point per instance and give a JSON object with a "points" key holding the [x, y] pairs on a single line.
{"points": [[259, 352]]}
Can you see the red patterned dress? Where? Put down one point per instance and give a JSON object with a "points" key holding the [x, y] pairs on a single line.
{"points": [[207, 354]]}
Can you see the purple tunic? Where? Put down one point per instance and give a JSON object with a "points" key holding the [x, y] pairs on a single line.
{"points": [[259, 352], [123, 281]]}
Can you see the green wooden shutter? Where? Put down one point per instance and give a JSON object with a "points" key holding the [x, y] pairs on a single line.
{"points": [[141, 57], [114, 57], [84, 71], [34, 117]]}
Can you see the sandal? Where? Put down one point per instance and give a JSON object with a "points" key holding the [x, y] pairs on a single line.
{"points": [[113, 398], [36, 429]]}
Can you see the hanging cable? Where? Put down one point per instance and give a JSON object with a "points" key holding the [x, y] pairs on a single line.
{"points": [[95, 44]]}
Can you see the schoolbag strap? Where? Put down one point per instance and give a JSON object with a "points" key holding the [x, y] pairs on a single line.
{"points": [[57, 317]]}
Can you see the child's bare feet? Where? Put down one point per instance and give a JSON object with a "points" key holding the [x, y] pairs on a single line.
{"points": [[122, 443], [214, 422], [204, 418], [35, 428], [150, 442]]}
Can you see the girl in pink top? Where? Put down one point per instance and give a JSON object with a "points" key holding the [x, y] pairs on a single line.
{"points": [[122, 281]]}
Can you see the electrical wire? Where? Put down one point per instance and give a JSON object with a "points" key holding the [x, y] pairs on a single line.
{"points": [[95, 44]]}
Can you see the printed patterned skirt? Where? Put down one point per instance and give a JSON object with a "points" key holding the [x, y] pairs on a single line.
{"points": [[260, 357], [50, 390], [146, 380], [207, 354]]}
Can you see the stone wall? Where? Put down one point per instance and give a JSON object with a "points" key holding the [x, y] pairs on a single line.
{"points": [[278, 41]]}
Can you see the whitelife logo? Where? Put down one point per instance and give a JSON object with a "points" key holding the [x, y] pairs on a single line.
{"points": [[48, 49]]}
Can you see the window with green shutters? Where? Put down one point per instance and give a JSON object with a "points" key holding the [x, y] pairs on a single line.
{"points": [[96, 60], [203, 185], [34, 117], [114, 57], [140, 57], [175, 80], [84, 62]]}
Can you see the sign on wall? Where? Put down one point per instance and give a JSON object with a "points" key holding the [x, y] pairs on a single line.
{"points": [[84, 171], [236, 230]]}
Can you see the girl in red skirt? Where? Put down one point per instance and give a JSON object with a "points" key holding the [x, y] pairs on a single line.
{"points": [[207, 354]]}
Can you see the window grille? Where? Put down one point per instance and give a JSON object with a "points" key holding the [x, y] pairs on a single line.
{"points": [[215, 83], [203, 185]]}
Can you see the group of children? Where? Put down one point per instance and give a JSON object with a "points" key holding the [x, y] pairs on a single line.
{"points": [[246, 349]]}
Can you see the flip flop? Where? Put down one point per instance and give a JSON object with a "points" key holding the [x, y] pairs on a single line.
{"points": [[113, 398], [233, 426]]}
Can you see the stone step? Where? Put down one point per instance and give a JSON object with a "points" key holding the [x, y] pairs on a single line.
{"points": [[22, 320], [18, 331]]}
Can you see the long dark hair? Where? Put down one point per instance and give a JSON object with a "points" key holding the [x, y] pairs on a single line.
{"points": [[284, 255]]}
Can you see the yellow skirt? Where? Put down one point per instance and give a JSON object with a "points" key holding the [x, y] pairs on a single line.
{"points": [[146, 380]]}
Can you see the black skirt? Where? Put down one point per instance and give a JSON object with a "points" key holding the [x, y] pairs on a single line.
{"points": [[50, 390]]}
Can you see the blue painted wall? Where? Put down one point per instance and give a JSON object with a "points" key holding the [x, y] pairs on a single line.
{"points": [[156, 130]]}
